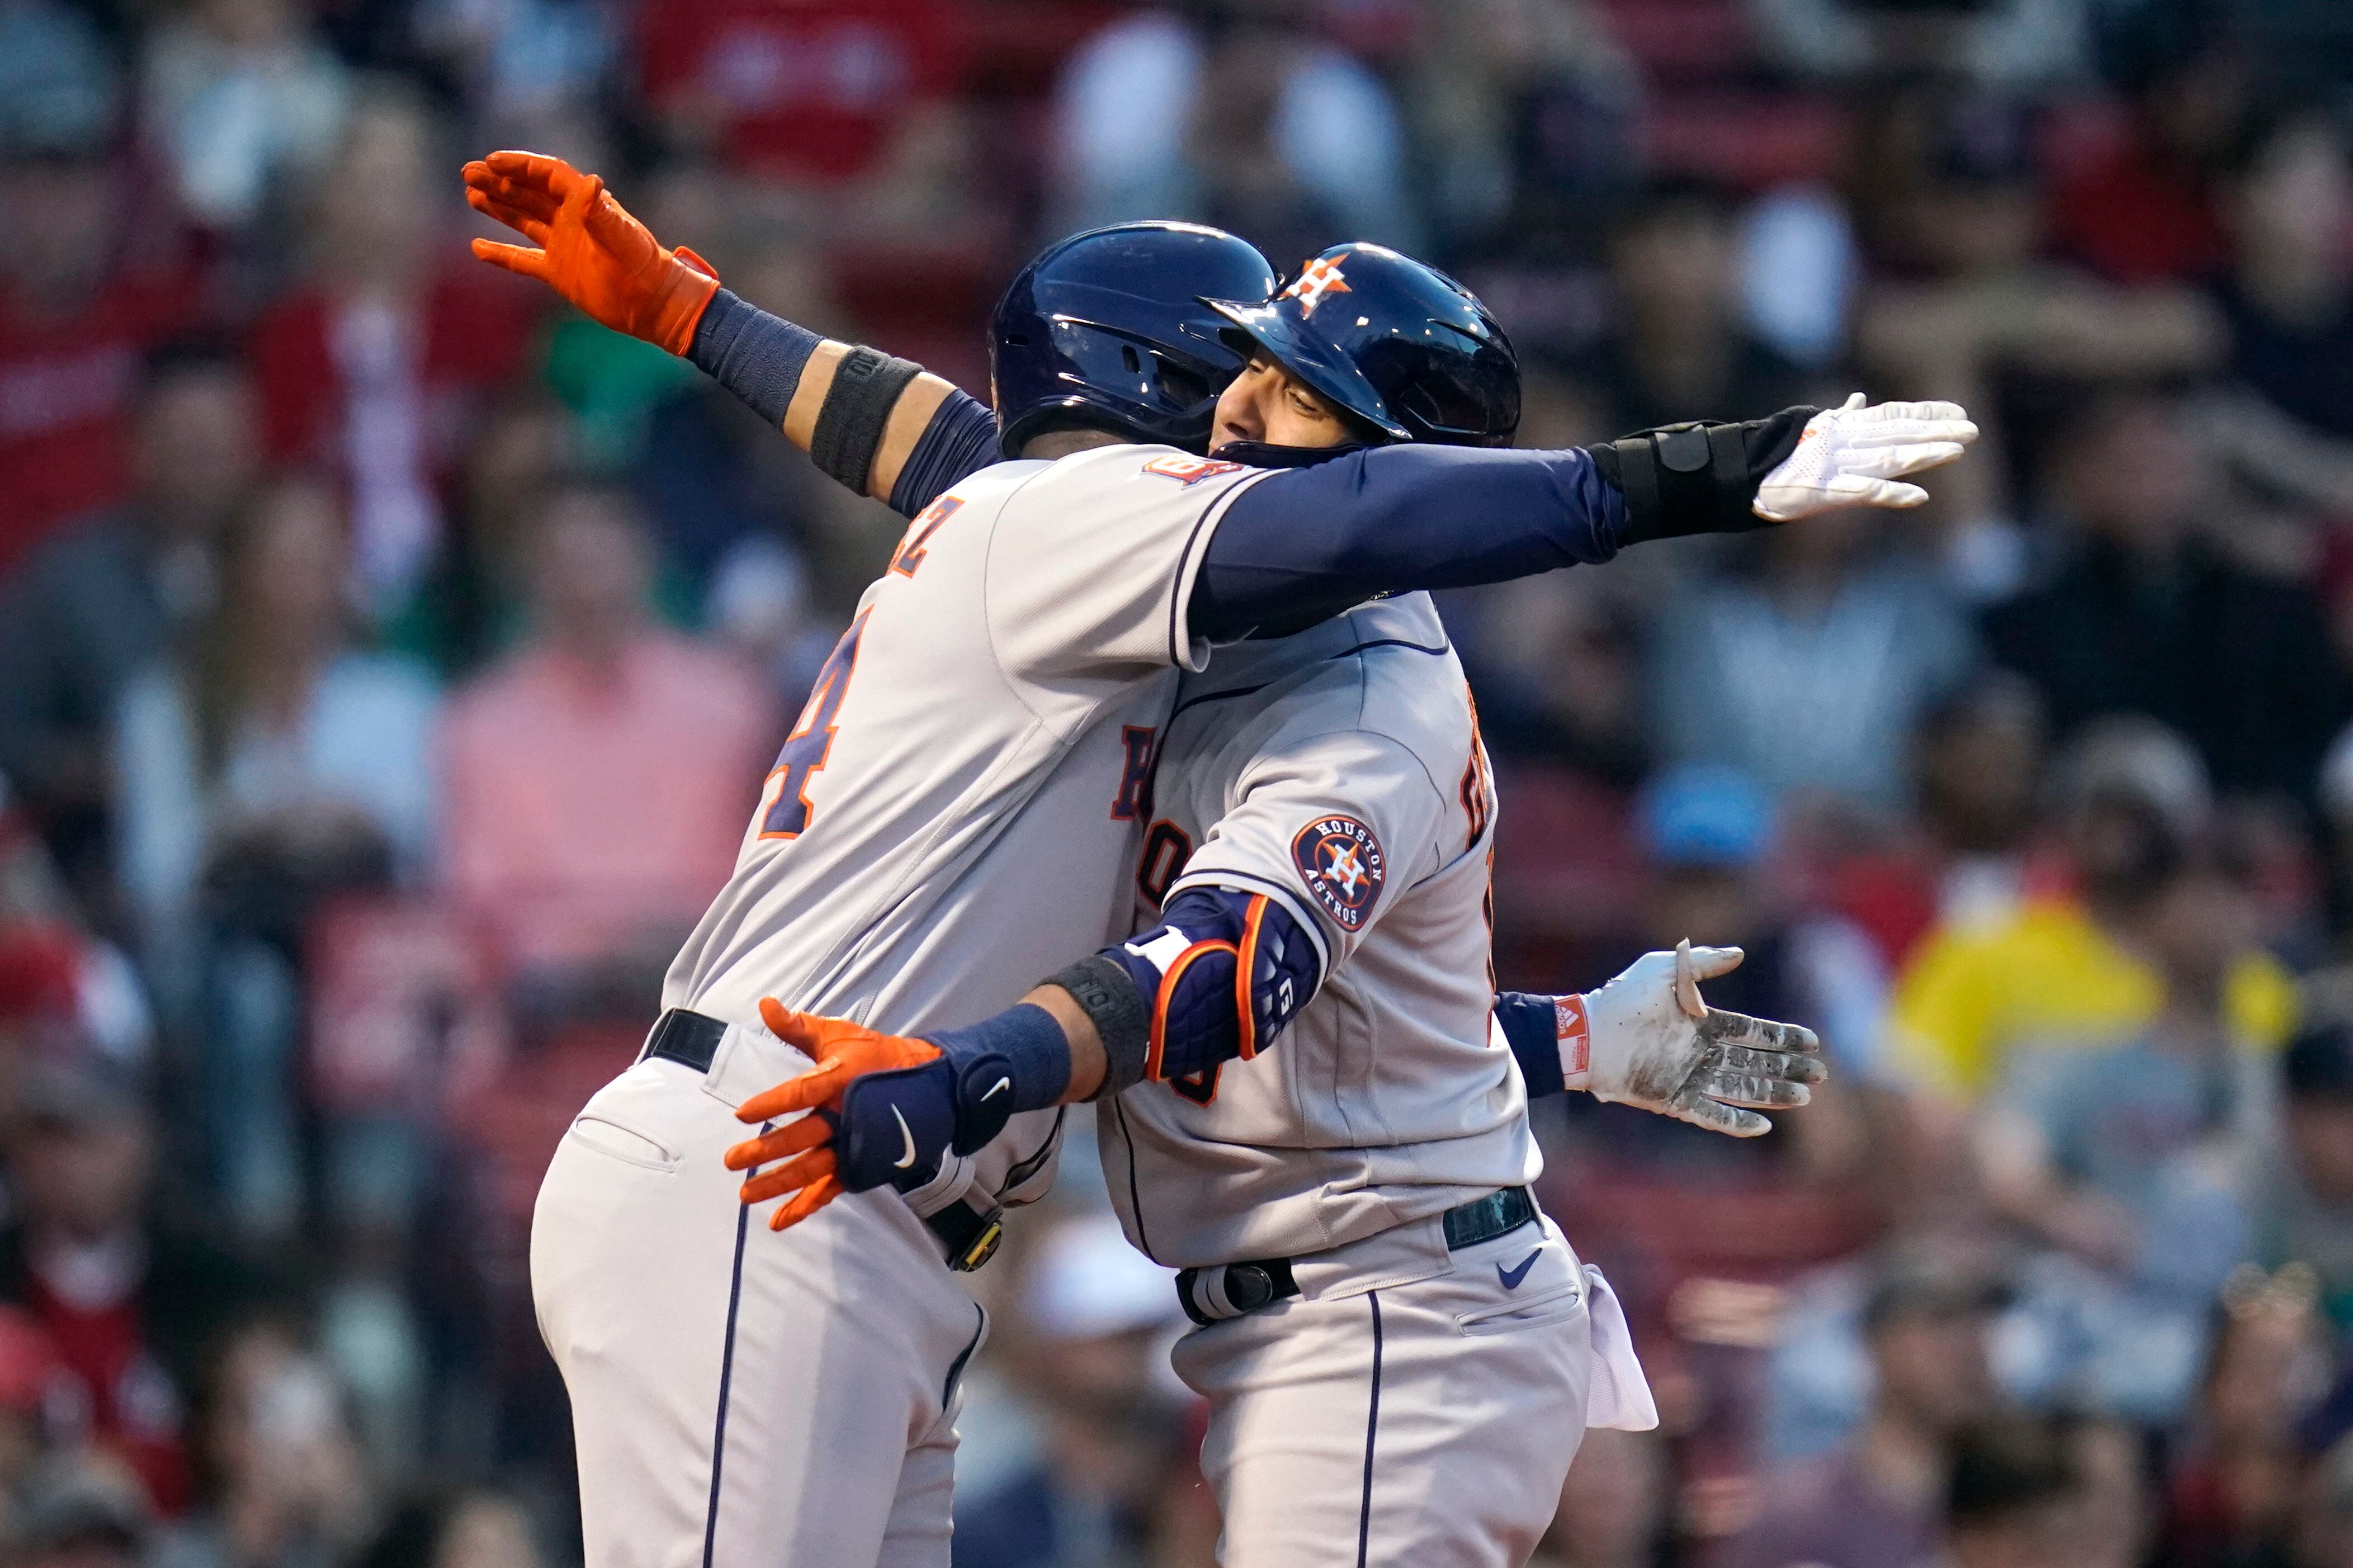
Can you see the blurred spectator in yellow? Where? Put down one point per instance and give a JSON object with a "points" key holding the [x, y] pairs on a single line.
{"points": [[265, 769], [86, 287], [2066, 964], [1233, 112], [1098, 1316], [1676, 348], [1878, 1497], [2149, 611], [89, 610], [2231, 1494], [2137, 1160], [79, 1511], [282, 1481], [2307, 1214], [1809, 668], [241, 100], [130, 1303], [599, 778], [373, 369]]}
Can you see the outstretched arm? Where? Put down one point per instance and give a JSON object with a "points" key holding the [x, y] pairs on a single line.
{"points": [[1169, 1004], [1295, 548], [883, 426], [1302, 545]]}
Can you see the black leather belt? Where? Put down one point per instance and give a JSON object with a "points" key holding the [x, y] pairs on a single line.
{"points": [[969, 1236], [1228, 1289]]}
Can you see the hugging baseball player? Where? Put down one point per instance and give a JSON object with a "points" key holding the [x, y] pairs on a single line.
{"points": [[953, 816]]}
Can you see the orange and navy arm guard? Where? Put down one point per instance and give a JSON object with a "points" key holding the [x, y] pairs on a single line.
{"points": [[590, 251], [1216, 980]]}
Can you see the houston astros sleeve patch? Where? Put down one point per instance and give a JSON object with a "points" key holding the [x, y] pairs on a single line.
{"points": [[1342, 864]]}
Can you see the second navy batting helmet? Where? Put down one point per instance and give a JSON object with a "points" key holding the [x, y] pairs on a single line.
{"points": [[1112, 329], [1401, 346]]}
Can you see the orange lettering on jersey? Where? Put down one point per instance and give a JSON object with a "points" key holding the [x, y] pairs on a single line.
{"points": [[1166, 850], [1188, 470], [1134, 801], [920, 532], [784, 805], [1478, 789]]}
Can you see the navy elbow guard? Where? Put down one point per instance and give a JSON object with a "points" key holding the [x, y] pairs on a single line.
{"points": [[1697, 479], [1219, 977]]}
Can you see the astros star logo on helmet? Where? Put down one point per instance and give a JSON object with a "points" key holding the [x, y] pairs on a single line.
{"points": [[1320, 276]]}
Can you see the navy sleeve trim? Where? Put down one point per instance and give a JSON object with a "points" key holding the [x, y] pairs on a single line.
{"points": [[1530, 1028], [1305, 544], [959, 442]]}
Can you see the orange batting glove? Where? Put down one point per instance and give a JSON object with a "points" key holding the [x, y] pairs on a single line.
{"points": [[844, 1052], [591, 250]]}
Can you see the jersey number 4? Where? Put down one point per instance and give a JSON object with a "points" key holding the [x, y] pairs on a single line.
{"points": [[785, 808]]}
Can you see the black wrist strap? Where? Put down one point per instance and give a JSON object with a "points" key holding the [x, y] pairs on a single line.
{"points": [[1698, 479], [1106, 993], [866, 387]]}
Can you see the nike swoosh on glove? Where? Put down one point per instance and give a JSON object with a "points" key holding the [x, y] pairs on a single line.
{"points": [[839, 1139], [1858, 455]]}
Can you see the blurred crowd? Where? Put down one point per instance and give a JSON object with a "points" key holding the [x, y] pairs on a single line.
{"points": [[388, 662]]}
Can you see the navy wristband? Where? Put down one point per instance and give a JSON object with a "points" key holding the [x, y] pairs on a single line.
{"points": [[756, 356], [1531, 1029], [1027, 1037]]}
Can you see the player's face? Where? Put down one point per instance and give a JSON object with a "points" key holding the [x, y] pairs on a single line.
{"points": [[1268, 405]]}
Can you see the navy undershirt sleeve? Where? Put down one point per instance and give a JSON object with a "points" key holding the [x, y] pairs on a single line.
{"points": [[1527, 1022], [960, 441], [756, 356], [1309, 543]]}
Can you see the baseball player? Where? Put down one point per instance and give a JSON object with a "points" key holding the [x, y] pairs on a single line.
{"points": [[965, 782], [1399, 1352]]}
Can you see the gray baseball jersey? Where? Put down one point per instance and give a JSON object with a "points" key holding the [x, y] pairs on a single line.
{"points": [[1338, 772], [953, 816], [971, 765]]}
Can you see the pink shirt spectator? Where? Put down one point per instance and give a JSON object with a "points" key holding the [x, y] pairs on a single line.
{"points": [[592, 811]]}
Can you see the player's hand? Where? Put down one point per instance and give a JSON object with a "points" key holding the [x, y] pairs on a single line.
{"points": [[1859, 456], [591, 250], [849, 1140], [1655, 1044]]}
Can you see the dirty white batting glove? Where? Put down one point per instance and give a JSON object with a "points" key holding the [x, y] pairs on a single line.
{"points": [[1858, 455], [1648, 1040]]}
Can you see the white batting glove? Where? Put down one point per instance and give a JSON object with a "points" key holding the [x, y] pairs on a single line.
{"points": [[1858, 456], [1647, 1040]]}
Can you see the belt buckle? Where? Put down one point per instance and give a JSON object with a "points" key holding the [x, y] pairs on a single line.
{"points": [[982, 1246]]}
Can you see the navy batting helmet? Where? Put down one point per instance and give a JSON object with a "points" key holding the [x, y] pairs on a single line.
{"points": [[1403, 347], [1112, 329]]}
